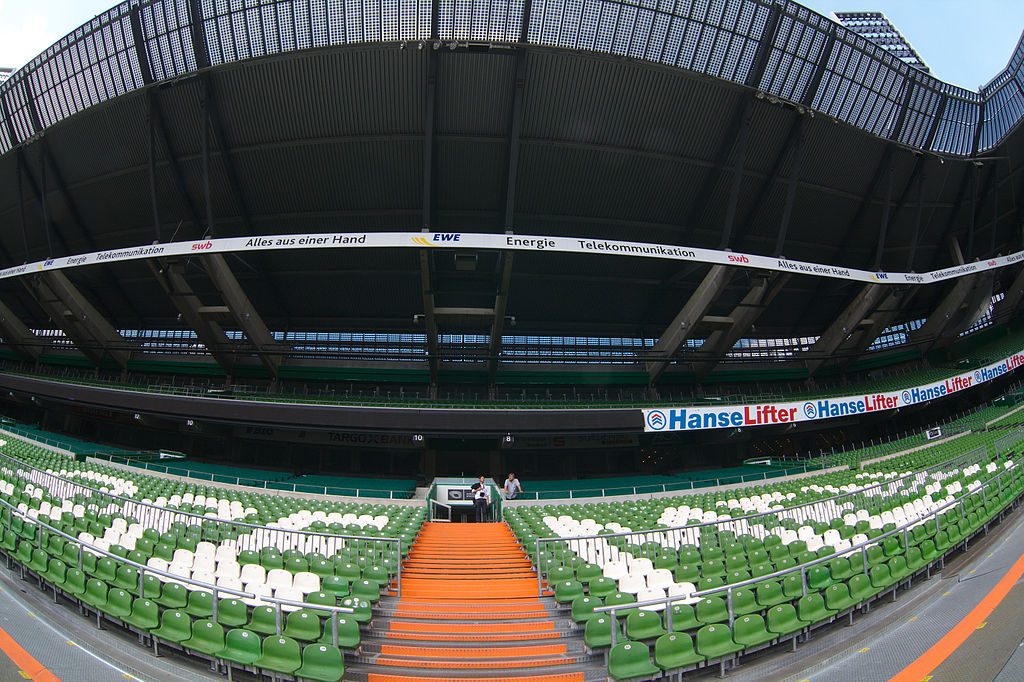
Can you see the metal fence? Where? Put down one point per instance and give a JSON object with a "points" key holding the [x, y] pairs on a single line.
{"points": [[561, 551], [385, 551], [776, 46]]}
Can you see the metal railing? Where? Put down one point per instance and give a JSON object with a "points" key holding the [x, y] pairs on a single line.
{"points": [[710, 532], [262, 483], [433, 513], [462, 400], [1000, 480], [615, 490], [143, 570], [386, 550]]}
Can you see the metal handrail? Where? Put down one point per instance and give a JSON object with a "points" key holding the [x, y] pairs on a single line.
{"points": [[252, 482], [462, 403], [440, 504], [262, 484], [144, 569], [256, 531], [574, 493], [802, 568], [695, 529]]}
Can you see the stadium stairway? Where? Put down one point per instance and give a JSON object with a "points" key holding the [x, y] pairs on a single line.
{"points": [[469, 610]]}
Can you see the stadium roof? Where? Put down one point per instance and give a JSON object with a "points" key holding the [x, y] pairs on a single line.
{"points": [[755, 126]]}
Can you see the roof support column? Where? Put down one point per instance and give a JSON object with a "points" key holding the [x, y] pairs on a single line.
{"points": [[204, 115], [765, 288], [508, 257], [883, 229], [682, 327], [242, 311], [498, 326], [870, 329], [94, 336], [426, 269], [737, 173], [169, 273], [846, 324], [430, 319], [154, 203], [17, 335], [1014, 295], [160, 129], [955, 312], [917, 222], [793, 183], [19, 161]]}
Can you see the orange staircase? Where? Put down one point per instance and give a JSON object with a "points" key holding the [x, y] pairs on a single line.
{"points": [[469, 610]]}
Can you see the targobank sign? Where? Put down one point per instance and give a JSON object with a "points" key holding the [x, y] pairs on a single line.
{"points": [[774, 414]]}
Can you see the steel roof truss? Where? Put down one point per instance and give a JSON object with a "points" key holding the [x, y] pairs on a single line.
{"points": [[243, 312], [72, 312], [683, 326]]}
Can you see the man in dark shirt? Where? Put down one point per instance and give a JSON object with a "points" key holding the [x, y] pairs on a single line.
{"points": [[481, 499]]}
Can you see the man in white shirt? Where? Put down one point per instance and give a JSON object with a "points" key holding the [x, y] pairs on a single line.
{"points": [[481, 499], [512, 487]]}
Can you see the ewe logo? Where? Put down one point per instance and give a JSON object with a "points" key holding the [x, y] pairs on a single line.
{"points": [[438, 238], [810, 411], [906, 398], [656, 420]]}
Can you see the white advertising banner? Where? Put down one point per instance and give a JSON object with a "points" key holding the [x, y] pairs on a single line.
{"points": [[501, 242], [665, 419]]}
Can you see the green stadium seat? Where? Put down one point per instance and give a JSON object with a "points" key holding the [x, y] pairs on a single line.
{"points": [[783, 620], [750, 631], [712, 610], [173, 596], [241, 646], [95, 594], [682, 618], [812, 609], [280, 654], [321, 663], [568, 590], [631, 661], [674, 651], [597, 633], [263, 620], [838, 598], [643, 625], [118, 604], [207, 637], [200, 604], [349, 634], [715, 641], [583, 608], [303, 625], [175, 626]]}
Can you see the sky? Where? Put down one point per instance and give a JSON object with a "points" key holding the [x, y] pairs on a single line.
{"points": [[966, 42]]}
